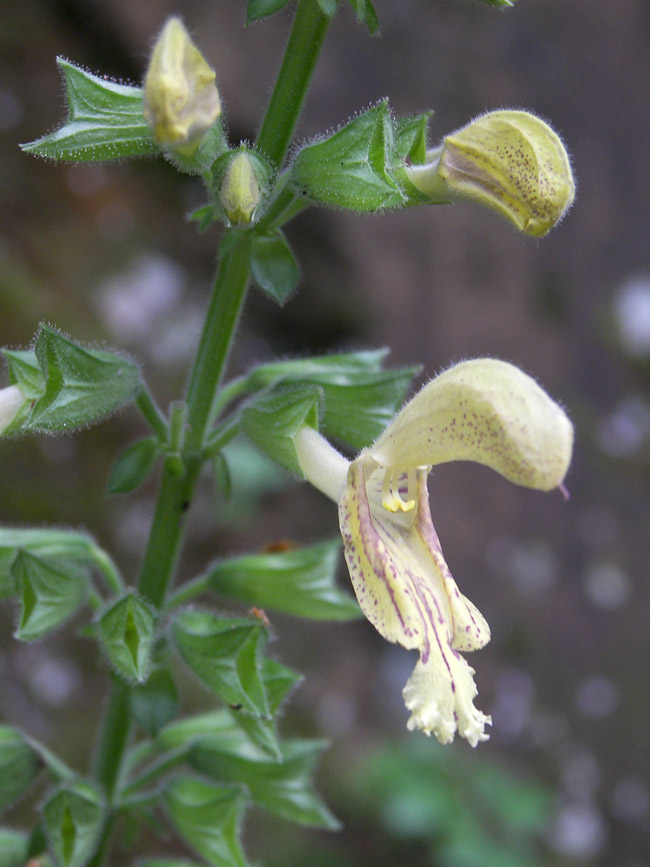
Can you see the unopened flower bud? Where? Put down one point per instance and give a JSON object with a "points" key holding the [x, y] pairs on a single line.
{"points": [[181, 100], [11, 400], [240, 191], [510, 161]]}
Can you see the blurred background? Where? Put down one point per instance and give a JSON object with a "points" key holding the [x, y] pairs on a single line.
{"points": [[105, 254]]}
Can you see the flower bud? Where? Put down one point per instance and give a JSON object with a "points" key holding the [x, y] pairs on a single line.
{"points": [[181, 100], [240, 191], [510, 161], [11, 400]]}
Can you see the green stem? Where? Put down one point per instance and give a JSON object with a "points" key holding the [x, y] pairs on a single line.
{"points": [[114, 737], [188, 591], [175, 496], [222, 318], [300, 56], [149, 409], [284, 207], [154, 772], [108, 569], [231, 283], [224, 434]]}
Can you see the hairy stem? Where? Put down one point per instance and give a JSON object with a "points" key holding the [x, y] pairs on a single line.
{"points": [[304, 45]]}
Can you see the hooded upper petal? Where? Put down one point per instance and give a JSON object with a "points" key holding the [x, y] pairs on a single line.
{"points": [[487, 411]]}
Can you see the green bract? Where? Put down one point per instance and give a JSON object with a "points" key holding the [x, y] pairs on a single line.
{"points": [[69, 386], [48, 594], [126, 633], [361, 167], [74, 817]]}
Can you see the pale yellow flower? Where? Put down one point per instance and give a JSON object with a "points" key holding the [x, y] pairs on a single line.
{"points": [[483, 410], [510, 161], [181, 100]]}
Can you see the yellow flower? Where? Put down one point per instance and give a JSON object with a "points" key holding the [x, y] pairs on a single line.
{"points": [[510, 161], [483, 410], [181, 100]]}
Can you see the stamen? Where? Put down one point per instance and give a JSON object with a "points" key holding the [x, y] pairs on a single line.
{"points": [[391, 497]]}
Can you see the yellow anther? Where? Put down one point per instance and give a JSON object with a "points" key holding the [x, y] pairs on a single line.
{"points": [[390, 494]]}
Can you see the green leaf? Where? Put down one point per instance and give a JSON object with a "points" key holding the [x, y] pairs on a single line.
{"points": [[411, 138], [271, 420], [48, 595], [105, 121], [133, 466], [208, 818], [328, 7], [25, 372], [64, 546], [14, 847], [127, 632], [218, 749], [357, 414], [300, 582], [366, 14], [338, 369], [351, 168], [284, 787], [225, 654], [278, 681], [81, 385], [360, 398], [74, 818], [273, 266], [257, 9], [19, 766], [156, 702]]}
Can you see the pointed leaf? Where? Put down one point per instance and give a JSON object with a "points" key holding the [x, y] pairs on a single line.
{"points": [[81, 385], [56, 546], [273, 265], [338, 369], [208, 818], [359, 400], [105, 121], [156, 702], [278, 682], [225, 654], [258, 9], [284, 787], [24, 371], [299, 582], [272, 419], [351, 168], [127, 632], [19, 766], [48, 595], [133, 466], [328, 7], [411, 138], [366, 14], [74, 818]]}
